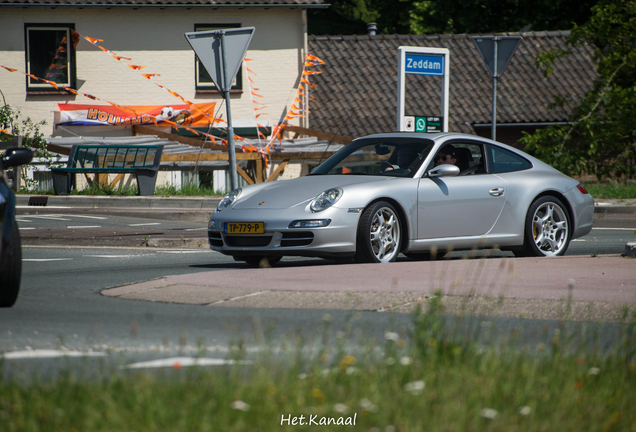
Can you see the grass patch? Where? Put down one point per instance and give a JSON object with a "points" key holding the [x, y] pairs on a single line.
{"points": [[612, 190], [425, 380]]}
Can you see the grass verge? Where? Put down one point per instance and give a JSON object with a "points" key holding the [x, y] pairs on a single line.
{"points": [[426, 380], [611, 190]]}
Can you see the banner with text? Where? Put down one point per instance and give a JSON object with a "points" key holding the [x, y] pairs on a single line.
{"points": [[196, 115]]}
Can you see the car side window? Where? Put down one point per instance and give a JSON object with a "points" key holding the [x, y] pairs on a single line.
{"points": [[502, 161], [470, 158]]}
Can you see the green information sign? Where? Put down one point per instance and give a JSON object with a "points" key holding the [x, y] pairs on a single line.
{"points": [[429, 124]]}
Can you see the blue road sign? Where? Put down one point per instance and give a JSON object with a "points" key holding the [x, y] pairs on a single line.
{"points": [[418, 64]]}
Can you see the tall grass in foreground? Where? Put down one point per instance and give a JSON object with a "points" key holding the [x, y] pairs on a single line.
{"points": [[433, 382]]}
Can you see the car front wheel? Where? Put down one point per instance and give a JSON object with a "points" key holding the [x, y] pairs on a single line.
{"points": [[547, 228], [379, 234], [10, 269]]}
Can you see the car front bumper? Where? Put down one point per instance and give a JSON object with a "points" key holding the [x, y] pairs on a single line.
{"points": [[338, 239]]}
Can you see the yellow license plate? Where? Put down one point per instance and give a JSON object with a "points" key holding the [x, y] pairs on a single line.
{"points": [[244, 227]]}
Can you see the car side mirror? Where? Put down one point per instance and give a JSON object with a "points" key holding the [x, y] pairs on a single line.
{"points": [[15, 157], [445, 170]]}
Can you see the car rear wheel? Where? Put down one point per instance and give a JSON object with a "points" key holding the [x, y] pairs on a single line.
{"points": [[547, 228], [262, 261], [11, 269], [379, 234]]}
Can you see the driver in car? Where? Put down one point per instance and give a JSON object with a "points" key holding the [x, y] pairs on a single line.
{"points": [[446, 156]]}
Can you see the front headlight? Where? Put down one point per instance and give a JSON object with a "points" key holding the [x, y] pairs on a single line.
{"points": [[325, 200], [228, 199]]}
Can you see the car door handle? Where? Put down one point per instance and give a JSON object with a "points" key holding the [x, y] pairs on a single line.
{"points": [[499, 191]]}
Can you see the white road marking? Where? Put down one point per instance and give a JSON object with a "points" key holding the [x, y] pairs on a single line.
{"points": [[83, 226], [145, 224], [111, 256], [618, 229], [195, 229], [44, 353], [46, 259], [47, 217], [578, 240], [26, 228], [239, 297], [179, 251], [88, 217], [179, 362]]}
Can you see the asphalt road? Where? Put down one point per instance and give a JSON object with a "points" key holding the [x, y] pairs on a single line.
{"points": [[60, 306]]}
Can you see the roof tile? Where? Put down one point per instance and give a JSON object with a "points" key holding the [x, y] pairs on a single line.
{"points": [[367, 67]]}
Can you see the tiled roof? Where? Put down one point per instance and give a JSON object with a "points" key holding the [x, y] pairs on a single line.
{"points": [[166, 3], [357, 90]]}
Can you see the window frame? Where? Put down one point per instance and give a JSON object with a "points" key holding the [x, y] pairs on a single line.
{"points": [[210, 87], [42, 87]]}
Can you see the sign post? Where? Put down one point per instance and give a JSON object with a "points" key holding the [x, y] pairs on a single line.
{"points": [[496, 52], [423, 61], [221, 52]]}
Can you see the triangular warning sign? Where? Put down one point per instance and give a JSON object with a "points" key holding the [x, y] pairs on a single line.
{"points": [[207, 46]]}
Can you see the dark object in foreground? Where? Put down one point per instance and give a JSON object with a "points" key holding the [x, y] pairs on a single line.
{"points": [[10, 248]]}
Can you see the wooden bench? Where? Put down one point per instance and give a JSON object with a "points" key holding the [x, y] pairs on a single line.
{"points": [[140, 160]]}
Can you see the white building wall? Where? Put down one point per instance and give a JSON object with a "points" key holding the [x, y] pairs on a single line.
{"points": [[155, 39]]}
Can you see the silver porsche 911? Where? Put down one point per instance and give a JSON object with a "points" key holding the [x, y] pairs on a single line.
{"points": [[408, 193]]}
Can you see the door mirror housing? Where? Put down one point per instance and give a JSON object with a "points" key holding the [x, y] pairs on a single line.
{"points": [[445, 170]]}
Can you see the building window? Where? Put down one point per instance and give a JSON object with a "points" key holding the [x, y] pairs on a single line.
{"points": [[203, 80], [50, 55]]}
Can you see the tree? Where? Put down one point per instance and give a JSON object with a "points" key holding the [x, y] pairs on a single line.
{"points": [[487, 16], [600, 138], [352, 16], [448, 16]]}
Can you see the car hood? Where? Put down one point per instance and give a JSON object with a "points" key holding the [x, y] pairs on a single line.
{"points": [[284, 194]]}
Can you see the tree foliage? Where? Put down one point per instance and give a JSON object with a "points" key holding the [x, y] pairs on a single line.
{"points": [[448, 16], [487, 16], [601, 136]]}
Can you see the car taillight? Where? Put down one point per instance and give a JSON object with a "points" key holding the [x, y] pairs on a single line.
{"points": [[581, 188]]}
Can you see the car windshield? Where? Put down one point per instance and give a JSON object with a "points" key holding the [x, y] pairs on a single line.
{"points": [[397, 157]]}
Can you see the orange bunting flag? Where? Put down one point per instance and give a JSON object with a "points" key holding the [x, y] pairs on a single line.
{"points": [[257, 95], [121, 58], [246, 59], [311, 72], [149, 76], [249, 70], [92, 40], [90, 97], [9, 69], [51, 83], [135, 67], [68, 89], [314, 58], [306, 81], [103, 49]]}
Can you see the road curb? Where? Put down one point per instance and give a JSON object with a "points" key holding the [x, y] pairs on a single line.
{"points": [[173, 243], [118, 202]]}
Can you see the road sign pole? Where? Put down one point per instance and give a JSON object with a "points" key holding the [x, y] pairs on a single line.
{"points": [[496, 52], [222, 52], [231, 151], [493, 131]]}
